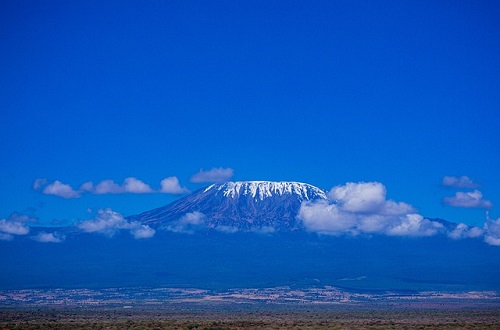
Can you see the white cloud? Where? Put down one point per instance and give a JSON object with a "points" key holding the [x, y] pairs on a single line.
{"points": [[143, 231], [459, 182], [135, 186], [188, 223], [464, 231], [57, 188], [324, 217], [38, 183], [492, 232], [216, 175], [356, 208], [414, 225], [14, 225], [171, 185], [109, 222], [367, 197], [87, 187], [44, 237], [107, 187], [130, 185], [472, 199]]}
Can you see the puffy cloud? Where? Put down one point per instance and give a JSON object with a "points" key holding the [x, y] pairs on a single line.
{"points": [[464, 231], [367, 197], [323, 217], [130, 185], [414, 225], [171, 185], [135, 186], [216, 175], [356, 208], [44, 237], [492, 232], [14, 225], [188, 223], [107, 187], [109, 222], [57, 188], [459, 182], [472, 199]]}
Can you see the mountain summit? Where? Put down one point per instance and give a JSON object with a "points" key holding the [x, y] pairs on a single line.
{"points": [[236, 206]]}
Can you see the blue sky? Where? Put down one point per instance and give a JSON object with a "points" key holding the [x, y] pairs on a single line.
{"points": [[323, 92]]}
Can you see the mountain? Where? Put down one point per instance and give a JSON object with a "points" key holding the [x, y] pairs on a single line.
{"points": [[113, 258], [231, 206]]}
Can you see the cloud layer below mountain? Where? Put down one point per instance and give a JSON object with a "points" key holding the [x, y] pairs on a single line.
{"points": [[363, 208]]}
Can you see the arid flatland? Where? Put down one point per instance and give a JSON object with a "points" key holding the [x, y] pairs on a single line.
{"points": [[257, 319]]}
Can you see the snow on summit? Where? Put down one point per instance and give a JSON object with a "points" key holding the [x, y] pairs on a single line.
{"points": [[266, 189]]}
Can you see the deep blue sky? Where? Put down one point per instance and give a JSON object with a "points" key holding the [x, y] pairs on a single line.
{"points": [[403, 93]]}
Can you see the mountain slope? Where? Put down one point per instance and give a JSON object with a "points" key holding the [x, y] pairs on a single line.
{"points": [[245, 205]]}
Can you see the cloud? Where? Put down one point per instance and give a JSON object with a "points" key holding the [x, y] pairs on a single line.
{"points": [[414, 225], [135, 186], [464, 231], [107, 187], [227, 229], [472, 199], [38, 183], [367, 197], [215, 175], [459, 182], [44, 237], [171, 185], [109, 222], [6, 237], [57, 188], [87, 187], [188, 223], [362, 208], [130, 185], [492, 232], [142, 231], [15, 225]]}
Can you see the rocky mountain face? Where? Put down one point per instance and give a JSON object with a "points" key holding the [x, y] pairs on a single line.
{"points": [[236, 206]]}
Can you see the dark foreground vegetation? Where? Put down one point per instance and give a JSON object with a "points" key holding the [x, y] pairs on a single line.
{"points": [[258, 319]]}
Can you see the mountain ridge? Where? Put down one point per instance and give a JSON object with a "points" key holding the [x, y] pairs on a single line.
{"points": [[240, 205]]}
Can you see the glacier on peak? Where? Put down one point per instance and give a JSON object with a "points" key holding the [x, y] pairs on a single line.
{"points": [[267, 189]]}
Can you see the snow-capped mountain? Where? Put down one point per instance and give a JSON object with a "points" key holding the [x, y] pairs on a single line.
{"points": [[244, 205]]}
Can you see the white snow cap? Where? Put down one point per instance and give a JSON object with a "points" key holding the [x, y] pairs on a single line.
{"points": [[266, 189]]}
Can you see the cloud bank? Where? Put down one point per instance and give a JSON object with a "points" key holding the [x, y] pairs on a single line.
{"points": [[130, 185], [215, 175], [362, 208], [109, 222]]}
